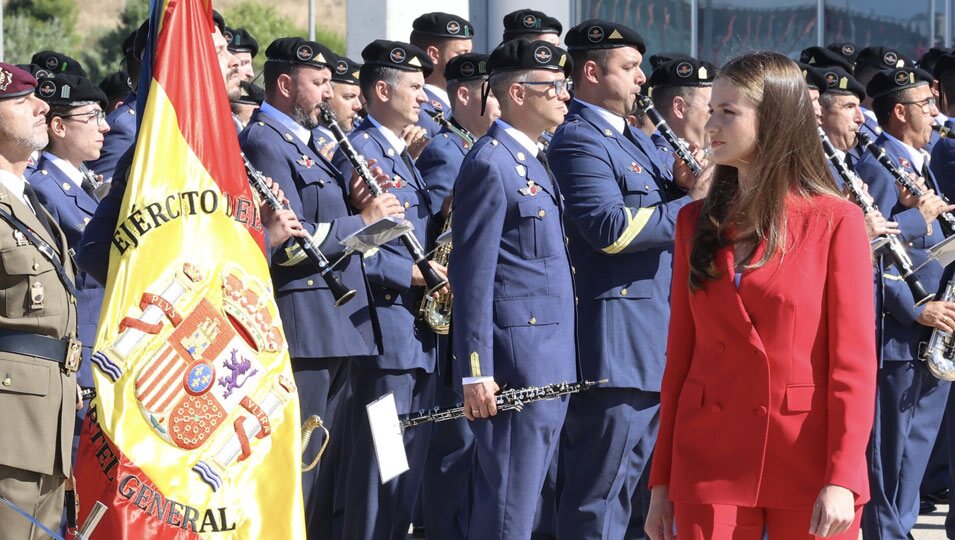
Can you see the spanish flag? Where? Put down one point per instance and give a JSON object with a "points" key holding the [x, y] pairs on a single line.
{"points": [[194, 431]]}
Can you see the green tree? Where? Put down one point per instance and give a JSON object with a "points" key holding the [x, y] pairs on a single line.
{"points": [[266, 25], [107, 56], [46, 10], [24, 35]]}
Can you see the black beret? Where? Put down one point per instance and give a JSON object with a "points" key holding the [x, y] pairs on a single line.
{"points": [[15, 81], [682, 72], [599, 34], [928, 60], [35, 70], [135, 43], [466, 67], [813, 76], [660, 58], [882, 58], [823, 57], [397, 55], [520, 54], [443, 25], [890, 80], [58, 63], [346, 71], [69, 90], [240, 40], [115, 85], [296, 50], [218, 21], [840, 81], [944, 64], [250, 94], [527, 21], [845, 49]]}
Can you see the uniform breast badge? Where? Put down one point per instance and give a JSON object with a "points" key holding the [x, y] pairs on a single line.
{"points": [[20, 239], [306, 161], [398, 182], [531, 189], [635, 167]]}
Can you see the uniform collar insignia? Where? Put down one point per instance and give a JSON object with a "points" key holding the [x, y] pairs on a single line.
{"points": [[531, 189]]}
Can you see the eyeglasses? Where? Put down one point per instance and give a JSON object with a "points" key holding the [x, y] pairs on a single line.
{"points": [[100, 117], [926, 104], [558, 86]]}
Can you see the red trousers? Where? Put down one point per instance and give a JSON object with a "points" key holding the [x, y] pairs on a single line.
{"points": [[726, 522]]}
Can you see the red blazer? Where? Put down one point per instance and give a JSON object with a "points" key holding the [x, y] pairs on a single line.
{"points": [[769, 390]]}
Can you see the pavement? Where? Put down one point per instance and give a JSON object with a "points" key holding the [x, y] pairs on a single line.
{"points": [[931, 526]]}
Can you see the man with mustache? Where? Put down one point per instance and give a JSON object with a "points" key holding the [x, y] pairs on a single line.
{"points": [[278, 141]]}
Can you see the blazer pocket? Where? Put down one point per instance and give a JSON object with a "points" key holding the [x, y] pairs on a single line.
{"points": [[799, 397], [536, 241], [24, 378], [692, 394], [530, 311]]}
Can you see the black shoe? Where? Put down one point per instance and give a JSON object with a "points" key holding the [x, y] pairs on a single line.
{"points": [[926, 507], [937, 497]]}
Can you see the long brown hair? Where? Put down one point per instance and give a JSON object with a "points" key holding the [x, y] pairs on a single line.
{"points": [[788, 157]]}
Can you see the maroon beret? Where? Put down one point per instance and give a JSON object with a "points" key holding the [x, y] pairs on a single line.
{"points": [[15, 82]]}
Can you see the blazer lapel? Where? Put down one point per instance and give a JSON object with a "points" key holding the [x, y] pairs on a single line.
{"points": [[730, 298], [533, 170]]}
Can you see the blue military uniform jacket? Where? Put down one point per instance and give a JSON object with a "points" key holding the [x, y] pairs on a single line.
{"points": [[72, 208], [514, 313], [440, 163], [434, 104], [943, 161], [899, 330], [407, 344], [315, 189], [119, 139], [621, 225]]}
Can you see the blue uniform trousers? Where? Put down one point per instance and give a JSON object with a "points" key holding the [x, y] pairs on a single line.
{"points": [[515, 450], [607, 442], [322, 384], [446, 489], [374, 511], [909, 407]]}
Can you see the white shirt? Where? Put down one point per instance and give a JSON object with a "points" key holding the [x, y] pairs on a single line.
{"points": [[393, 139], [297, 129], [519, 136], [917, 157], [617, 122], [15, 185], [441, 93], [68, 169]]}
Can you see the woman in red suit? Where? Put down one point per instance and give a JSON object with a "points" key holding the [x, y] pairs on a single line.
{"points": [[769, 388]]}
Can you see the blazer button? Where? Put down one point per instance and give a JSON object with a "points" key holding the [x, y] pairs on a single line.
{"points": [[309, 283], [720, 347], [761, 410], [715, 407], [572, 270], [388, 297], [541, 213], [533, 320], [623, 292], [407, 205], [7, 381]]}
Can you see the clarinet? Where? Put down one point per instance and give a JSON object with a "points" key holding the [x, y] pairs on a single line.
{"points": [[341, 293], [947, 219], [894, 246], [507, 400], [679, 146], [464, 134], [433, 280]]}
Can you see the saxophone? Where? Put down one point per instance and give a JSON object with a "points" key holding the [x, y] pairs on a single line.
{"points": [[939, 352], [435, 311]]}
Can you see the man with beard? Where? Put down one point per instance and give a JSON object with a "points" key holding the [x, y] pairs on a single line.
{"points": [[244, 47], [278, 142], [38, 353]]}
